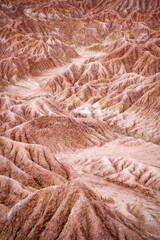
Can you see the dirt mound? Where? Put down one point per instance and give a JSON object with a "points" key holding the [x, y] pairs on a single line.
{"points": [[79, 119], [58, 133], [31, 165], [50, 214]]}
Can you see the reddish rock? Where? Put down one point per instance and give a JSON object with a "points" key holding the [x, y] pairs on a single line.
{"points": [[79, 119]]}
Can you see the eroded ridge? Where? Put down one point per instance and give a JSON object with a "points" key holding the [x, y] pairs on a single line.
{"points": [[50, 213], [79, 119]]}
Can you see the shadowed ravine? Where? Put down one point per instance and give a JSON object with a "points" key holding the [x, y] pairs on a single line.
{"points": [[80, 120]]}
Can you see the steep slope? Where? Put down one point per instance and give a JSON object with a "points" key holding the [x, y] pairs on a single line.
{"points": [[58, 133], [31, 165], [79, 119], [50, 214]]}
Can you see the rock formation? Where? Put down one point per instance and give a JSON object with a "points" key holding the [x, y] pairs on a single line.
{"points": [[79, 119]]}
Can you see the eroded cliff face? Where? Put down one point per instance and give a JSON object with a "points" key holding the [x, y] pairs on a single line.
{"points": [[79, 119]]}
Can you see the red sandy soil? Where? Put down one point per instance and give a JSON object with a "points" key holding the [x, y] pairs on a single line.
{"points": [[80, 120]]}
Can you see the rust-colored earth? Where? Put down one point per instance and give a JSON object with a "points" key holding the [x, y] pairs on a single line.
{"points": [[80, 120]]}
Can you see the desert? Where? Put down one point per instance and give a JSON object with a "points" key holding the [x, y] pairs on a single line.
{"points": [[80, 120]]}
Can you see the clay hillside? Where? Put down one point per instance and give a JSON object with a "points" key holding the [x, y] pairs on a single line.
{"points": [[80, 120]]}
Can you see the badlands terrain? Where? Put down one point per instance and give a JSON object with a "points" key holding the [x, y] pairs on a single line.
{"points": [[80, 119]]}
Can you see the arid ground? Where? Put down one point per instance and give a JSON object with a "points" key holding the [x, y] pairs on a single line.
{"points": [[80, 120]]}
